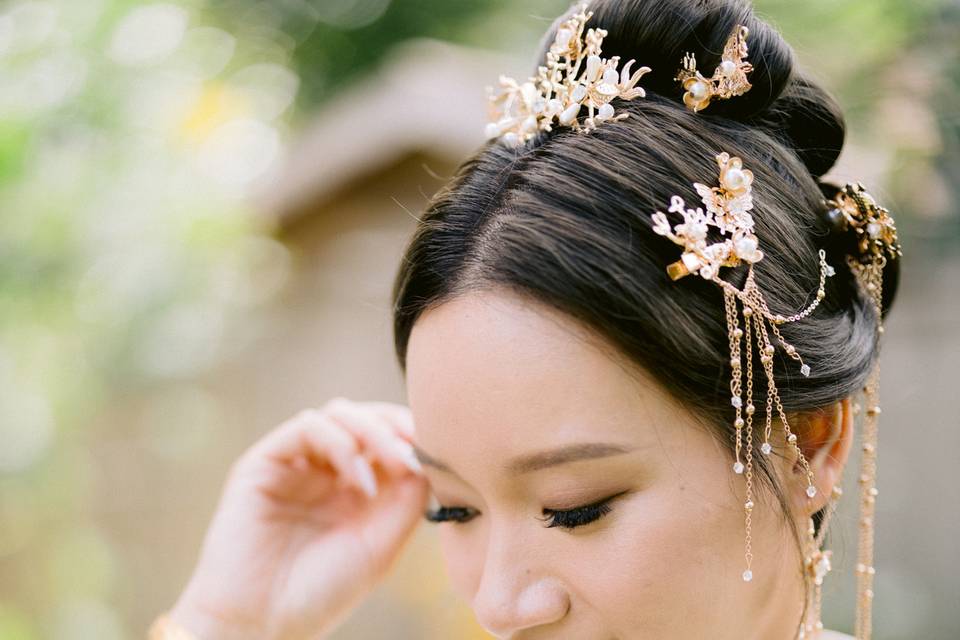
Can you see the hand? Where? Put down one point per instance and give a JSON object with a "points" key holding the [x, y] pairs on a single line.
{"points": [[311, 518]]}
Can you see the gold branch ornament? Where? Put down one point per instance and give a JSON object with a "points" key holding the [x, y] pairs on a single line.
{"points": [[729, 78], [726, 211], [574, 76]]}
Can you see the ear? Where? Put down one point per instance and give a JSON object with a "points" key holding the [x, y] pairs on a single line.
{"points": [[825, 436]]}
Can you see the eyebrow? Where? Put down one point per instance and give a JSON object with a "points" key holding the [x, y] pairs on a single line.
{"points": [[530, 462]]}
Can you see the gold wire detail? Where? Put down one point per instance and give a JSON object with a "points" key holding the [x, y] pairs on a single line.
{"points": [[877, 242], [729, 78], [574, 76], [726, 211]]}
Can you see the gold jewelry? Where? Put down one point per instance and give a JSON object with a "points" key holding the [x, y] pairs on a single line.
{"points": [[875, 241], [856, 211], [816, 564], [559, 91], [727, 208], [164, 628], [729, 78]]}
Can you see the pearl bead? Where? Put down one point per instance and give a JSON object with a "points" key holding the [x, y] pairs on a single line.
{"points": [[606, 112], [811, 491], [745, 246], [699, 90], [727, 67], [734, 179], [610, 76], [593, 67], [570, 114], [766, 448], [738, 467], [747, 575]]}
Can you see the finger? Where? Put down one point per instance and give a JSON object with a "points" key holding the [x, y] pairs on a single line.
{"points": [[321, 440], [399, 416], [376, 434]]}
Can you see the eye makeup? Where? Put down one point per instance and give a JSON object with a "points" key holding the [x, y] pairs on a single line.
{"points": [[564, 518]]}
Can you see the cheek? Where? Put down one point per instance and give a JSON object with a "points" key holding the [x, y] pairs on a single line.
{"points": [[463, 558], [667, 565]]}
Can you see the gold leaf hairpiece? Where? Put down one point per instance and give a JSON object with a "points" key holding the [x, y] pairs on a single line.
{"points": [[729, 78], [575, 76]]}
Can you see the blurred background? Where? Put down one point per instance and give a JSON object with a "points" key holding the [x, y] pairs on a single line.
{"points": [[202, 206]]}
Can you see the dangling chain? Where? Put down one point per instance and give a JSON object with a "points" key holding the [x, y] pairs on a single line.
{"points": [[870, 276], [756, 318], [854, 216]]}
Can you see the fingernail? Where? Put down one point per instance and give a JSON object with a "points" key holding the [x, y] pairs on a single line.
{"points": [[368, 481], [408, 456]]}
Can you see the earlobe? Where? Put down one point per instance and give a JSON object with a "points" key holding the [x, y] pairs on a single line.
{"points": [[826, 438]]}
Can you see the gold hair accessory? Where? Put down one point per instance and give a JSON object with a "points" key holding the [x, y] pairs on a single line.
{"points": [[816, 564], [729, 78], [727, 211], [857, 211], [559, 90]]}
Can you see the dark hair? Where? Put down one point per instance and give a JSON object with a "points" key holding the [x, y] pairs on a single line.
{"points": [[565, 218]]}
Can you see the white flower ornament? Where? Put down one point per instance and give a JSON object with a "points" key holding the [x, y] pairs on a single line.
{"points": [[726, 210], [574, 76]]}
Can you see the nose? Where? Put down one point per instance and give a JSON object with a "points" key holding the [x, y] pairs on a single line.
{"points": [[513, 593]]}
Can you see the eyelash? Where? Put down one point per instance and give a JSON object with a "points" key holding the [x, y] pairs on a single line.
{"points": [[567, 519]]}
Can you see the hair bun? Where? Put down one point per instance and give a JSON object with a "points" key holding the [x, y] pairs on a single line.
{"points": [[658, 33], [810, 121]]}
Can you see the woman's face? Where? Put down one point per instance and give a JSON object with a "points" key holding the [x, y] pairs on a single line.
{"points": [[518, 410]]}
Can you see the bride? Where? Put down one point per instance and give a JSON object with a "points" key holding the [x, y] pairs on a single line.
{"points": [[619, 437]]}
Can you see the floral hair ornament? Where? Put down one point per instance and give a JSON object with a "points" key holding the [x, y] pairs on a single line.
{"points": [[726, 210], [575, 76], [729, 78]]}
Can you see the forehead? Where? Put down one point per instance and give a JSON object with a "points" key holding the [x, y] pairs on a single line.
{"points": [[500, 372]]}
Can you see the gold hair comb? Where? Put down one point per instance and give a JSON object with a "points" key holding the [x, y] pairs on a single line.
{"points": [[574, 77], [726, 210], [729, 78]]}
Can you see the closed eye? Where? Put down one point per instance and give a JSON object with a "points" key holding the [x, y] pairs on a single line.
{"points": [[566, 518], [573, 518]]}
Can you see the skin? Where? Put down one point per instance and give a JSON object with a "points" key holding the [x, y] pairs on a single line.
{"points": [[495, 380], [665, 563]]}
